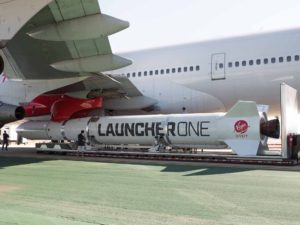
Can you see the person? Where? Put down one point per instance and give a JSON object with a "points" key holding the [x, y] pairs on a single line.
{"points": [[81, 141], [5, 141]]}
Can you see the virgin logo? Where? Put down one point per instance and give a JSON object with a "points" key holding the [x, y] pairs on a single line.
{"points": [[241, 127]]}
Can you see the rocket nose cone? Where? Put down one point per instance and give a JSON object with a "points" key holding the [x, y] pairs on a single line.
{"points": [[270, 128]]}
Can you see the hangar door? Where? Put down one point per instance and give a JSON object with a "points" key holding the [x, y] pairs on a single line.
{"points": [[218, 66]]}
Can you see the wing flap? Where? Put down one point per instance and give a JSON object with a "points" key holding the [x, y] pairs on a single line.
{"points": [[93, 64]]}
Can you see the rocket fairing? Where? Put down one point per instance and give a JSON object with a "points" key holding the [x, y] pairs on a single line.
{"points": [[243, 129]]}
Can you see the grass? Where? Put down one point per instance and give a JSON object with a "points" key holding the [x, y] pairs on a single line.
{"points": [[61, 192]]}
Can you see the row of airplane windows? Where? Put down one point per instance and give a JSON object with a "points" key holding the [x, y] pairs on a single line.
{"points": [[243, 63], [265, 61], [164, 71]]}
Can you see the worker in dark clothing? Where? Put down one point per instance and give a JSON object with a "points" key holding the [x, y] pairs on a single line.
{"points": [[81, 141], [5, 141]]}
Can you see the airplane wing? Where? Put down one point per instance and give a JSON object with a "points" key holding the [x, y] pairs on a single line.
{"points": [[69, 38], [65, 39]]}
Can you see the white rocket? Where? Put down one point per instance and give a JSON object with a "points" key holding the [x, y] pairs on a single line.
{"points": [[243, 129]]}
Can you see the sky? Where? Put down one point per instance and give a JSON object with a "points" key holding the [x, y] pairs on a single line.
{"points": [[158, 23]]}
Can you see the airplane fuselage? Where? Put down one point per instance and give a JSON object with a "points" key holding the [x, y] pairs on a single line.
{"points": [[213, 75]]}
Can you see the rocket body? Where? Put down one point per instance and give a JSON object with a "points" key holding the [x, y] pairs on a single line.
{"points": [[238, 129]]}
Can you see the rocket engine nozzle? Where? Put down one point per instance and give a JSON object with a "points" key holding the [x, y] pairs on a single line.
{"points": [[270, 128]]}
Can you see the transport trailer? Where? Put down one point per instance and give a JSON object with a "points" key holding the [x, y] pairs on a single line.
{"points": [[177, 157]]}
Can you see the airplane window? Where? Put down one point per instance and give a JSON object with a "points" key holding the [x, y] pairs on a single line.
{"points": [[258, 62], [266, 61], [197, 68], [145, 73], [237, 64], [289, 58], [151, 72], [133, 74], [191, 68], [140, 74], [162, 71], [230, 64], [167, 71], [179, 70], [221, 65], [244, 63], [185, 69], [273, 60], [128, 75], [281, 59], [251, 62], [173, 70], [297, 57], [156, 72]]}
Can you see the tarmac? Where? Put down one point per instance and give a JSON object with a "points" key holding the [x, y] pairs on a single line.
{"points": [[55, 189]]}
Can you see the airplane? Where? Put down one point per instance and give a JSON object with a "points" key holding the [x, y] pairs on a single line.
{"points": [[57, 61]]}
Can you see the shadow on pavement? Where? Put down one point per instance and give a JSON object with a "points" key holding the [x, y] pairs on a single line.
{"points": [[194, 170], [203, 170], [17, 161]]}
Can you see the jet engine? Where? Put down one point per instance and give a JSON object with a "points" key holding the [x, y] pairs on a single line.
{"points": [[10, 113]]}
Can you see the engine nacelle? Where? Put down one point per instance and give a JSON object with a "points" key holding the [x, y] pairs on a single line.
{"points": [[10, 113], [62, 107]]}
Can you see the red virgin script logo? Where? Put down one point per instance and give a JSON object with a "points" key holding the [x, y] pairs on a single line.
{"points": [[241, 127]]}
